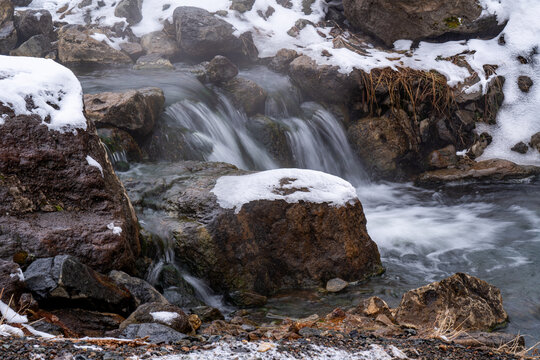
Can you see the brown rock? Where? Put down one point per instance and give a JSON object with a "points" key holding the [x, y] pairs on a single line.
{"points": [[246, 299], [160, 313], [336, 285], [76, 46], [11, 282], [6, 11], [82, 322], [247, 94], [135, 111], [158, 42], [525, 83], [487, 170], [443, 158], [34, 22], [391, 20], [373, 307], [133, 50], [283, 58], [8, 37], [220, 69], [520, 147], [461, 302], [535, 141], [220, 327]]}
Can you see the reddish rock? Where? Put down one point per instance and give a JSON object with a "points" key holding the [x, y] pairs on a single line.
{"points": [[443, 158]]}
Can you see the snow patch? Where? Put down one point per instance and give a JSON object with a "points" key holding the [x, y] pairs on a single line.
{"points": [[92, 162], [19, 274], [117, 230], [10, 316], [291, 185], [165, 317], [37, 332], [114, 42], [7, 330], [54, 90]]}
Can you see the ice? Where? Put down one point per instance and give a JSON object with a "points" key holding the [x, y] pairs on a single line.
{"points": [[165, 317], [92, 162], [10, 316], [312, 186], [7, 330]]}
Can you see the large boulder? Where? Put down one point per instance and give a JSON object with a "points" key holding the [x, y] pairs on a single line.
{"points": [[386, 144], [158, 42], [36, 46], [305, 228], [135, 111], [58, 191], [391, 20], [141, 291], [202, 35], [34, 22], [63, 281], [78, 46], [320, 82], [460, 301]]}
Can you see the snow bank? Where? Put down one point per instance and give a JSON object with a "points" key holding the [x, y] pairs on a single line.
{"points": [[165, 317], [54, 90], [93, 162], [291, 185]]}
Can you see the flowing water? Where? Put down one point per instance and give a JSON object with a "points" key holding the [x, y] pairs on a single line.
{"points": [[489, 231]]}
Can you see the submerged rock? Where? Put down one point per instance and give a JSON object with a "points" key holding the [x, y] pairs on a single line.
{"points": [[153, 61], [391, 20], [262, 245], [460, 301]]}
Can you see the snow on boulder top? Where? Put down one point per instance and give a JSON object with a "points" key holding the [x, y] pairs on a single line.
{"points": [[54, 90], [291, 185]]}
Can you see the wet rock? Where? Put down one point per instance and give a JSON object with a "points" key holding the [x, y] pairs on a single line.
{"points": [[443, 158], [64, 281], [21, 2], [76, 46], [386, 144], [391, 20], [201, 35], [242, 5], [520, 147], [155, 333], [153, 61], [220, 69], [207, 313], [273, 136], [81, 322], [158, 42], [373, 308], [159, 313], [130, 9], [8, 37], [487, 170], [460, 302], [320, 82], [299, 25], [267, 245], [247, 94], [175, 288], [221, 328], [6, 11], [11, 282], [135, 111], [336, 285], [52, 201], [34, 22], [141, 291], [535, 141], [119, 143], [36, 46], [480, 145], [525, 83], [280, 62], [246, 299], [133, 50], [249, 50]]}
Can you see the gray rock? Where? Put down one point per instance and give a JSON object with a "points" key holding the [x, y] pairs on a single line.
{"points": [[36, 46], [520, 147], [535, 141], [336, 285], [160, 313], [141, 290], [153, 61], [272, 135], [63, 279], [242, 5], [130, 9], [34, 22], [133, 50], [246, 299], [8, 37], [201, 35], [247, 94], [207, 313], [156, 333], [283, 58], [220, 69], [158, 42], [525, 83]]}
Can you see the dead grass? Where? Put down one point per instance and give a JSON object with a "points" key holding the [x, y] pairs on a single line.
{"points": [[514, 348]]}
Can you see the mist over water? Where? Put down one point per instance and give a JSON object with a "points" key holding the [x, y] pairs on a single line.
{"points": [[489, 231]]}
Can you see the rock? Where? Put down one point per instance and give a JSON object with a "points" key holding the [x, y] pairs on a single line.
{"points": [[493, 340], [175, 288], [75, 46], [443, 158], [387, 145], [220, 327], [267, 245], [130, 9], [299, 25], [121, 147], [391, 20], [220, 69], [480, 145], [11, 282], [141, 291], [135, 111], [133, 50], [158, 42], [153, 61], [312, 78], [461, 302], [524, 83], [249, 50], [160, 313], [336, 285], [487, 170], [8, 37], [53, 201], [246, 94], [155, 333], [373, 308], [202, 35], [280, 62], [273, 136], [6, 11], [535, 141], [520, 147], [242, 5], [34, 22], [21, 2], [82, 322], [207, 313], [36, 46], [245, 299], [62, 280]]}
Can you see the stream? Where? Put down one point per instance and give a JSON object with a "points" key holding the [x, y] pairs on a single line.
{"points": [[489, 231]]}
